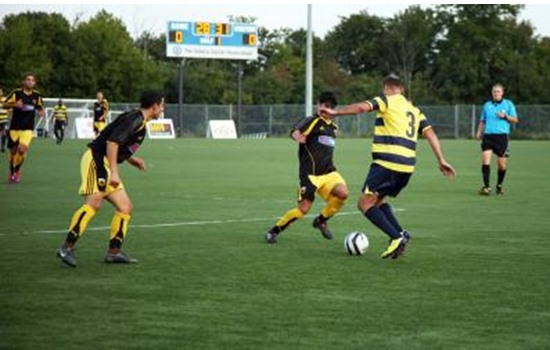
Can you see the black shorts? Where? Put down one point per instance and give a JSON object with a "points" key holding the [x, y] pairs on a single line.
{"points": [[60, 124], [385, 182], [498, 143]]}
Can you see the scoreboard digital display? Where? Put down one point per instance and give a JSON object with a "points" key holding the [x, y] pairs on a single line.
{"points": [[236, 41]]}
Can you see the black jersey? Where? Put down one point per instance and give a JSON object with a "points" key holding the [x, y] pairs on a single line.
{"points": [[317, 153], [128, 131], [23, 118], [100, 108]]}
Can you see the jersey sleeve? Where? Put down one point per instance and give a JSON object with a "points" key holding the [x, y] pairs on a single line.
{"points": [[39, 102], [125, 130], [105, 106], [512, 110], [423, 124], [379, 103], [11, 98], [305, 125]]}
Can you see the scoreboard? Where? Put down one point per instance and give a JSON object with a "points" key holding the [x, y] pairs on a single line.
{"points": [[234, 41]]}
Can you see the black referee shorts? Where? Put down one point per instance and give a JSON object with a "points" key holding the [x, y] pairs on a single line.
{"points": [[498, 143]]}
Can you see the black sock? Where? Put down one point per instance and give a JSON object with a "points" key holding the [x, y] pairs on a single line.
{"points": [[275, 229], [501, 175], [377, 217], [486, 171], [387, 210], [71, 239]]}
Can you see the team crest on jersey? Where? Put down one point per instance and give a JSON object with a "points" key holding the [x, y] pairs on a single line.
{"points": [[327, 140]]}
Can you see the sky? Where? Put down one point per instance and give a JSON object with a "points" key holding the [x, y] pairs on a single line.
{"points": [[140, 18]]}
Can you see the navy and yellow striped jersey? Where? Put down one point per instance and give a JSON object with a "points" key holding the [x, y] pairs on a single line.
{"points": [[23, 118], [3, 111], [100, 108], [396, 130], [60, 112], [316, 153]]}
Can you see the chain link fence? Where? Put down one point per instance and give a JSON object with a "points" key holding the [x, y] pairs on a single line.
{"points": [[451, 121]]}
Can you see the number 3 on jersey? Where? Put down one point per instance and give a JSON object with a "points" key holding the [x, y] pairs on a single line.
{"points": [[411, 132]]}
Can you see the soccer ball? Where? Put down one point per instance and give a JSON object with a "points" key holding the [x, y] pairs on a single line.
{"points": [[356, 243]]}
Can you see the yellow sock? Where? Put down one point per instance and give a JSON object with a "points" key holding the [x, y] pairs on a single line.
{"points": [[289, 217], [119, 228], [334, 204], [79, 222]]}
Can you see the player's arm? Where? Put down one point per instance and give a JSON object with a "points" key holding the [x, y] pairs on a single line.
{"points": [[138, 163], [112, 156], [444, 167], [12, 102], [301, 130], [354, 109], [105, 108], [40, 107], [481, 125], [510, 116]]}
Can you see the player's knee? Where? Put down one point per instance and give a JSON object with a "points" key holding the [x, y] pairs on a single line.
{"points": [[126, 208], [304, 207], [342, 194], [366, 202]]}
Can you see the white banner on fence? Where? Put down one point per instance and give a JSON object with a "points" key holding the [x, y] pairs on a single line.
{"points": [[221, 129], [161, 129], [84, 128]]}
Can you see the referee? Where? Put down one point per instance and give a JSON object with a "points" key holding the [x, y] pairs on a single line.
{"points": [[494, 131]]}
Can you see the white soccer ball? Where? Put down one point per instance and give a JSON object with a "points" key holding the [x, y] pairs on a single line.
{"points": [[356, 243]]}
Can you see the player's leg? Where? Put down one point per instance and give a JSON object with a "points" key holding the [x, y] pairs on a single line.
{"points": [[486, 151], [62, 132], [56, 131], [502, 166], [335, 193], [3, 137], [119, 227], [303, 207]]}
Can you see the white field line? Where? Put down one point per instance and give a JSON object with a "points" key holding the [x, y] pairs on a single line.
{"points": [[187, 223]]}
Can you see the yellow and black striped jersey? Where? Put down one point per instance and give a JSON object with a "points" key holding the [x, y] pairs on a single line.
{"points": [[60, 112], [23, 117], [100, 110], [396, 130], [3, 110]]}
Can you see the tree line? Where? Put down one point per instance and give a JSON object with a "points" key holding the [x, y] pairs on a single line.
{"points": [[445, 54]]}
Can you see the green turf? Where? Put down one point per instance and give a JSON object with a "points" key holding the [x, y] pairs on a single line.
{"points": [[476, 274]]}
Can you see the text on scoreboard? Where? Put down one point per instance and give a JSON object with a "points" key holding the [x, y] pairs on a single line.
{"points": [[236, 41]]}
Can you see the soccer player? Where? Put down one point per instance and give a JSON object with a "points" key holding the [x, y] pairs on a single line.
{"points": [[316, 137], [101, 178], [494, 131], [61, 121], [25, 102], [101, 109], [3, 121], [396, 130]]}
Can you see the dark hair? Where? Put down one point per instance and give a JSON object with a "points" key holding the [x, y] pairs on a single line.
{"points": [[150, 98], [29, 74], [393, 80], [328, 97]]}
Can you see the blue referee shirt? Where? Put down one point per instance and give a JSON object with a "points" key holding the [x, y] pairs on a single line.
{"points": [[489, 115]]}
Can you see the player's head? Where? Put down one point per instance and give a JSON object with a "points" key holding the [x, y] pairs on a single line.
{"points": [[497, 92], [328, 99], [154, 101], [393, 85], [99, 96], [60, 102], [29, 80]]}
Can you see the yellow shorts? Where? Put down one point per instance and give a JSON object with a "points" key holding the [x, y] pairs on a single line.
{"points": [[320, 184], [99, 126], [23, 137], [95, 177]]}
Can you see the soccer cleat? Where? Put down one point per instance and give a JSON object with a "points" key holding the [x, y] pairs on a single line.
{"points": [[406, 238], [11, 178], [17, 176], [119, 258], [395, 245], [499, 190], [66, 254], [322, 226], [271, 237], [485, 191]]}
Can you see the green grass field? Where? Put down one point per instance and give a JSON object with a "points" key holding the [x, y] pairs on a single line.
{"points": [[476, 274]]}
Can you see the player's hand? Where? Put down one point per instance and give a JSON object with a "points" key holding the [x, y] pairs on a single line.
{"points": [[447, 170], [114, 180], [478, 136], [298, 136], [139, 163], [19, 104]]}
